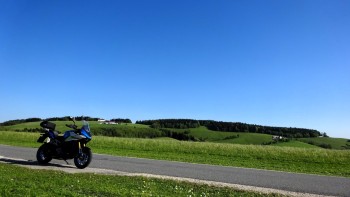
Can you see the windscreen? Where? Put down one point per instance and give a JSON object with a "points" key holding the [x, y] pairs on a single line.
{"points": [[85, 129]]}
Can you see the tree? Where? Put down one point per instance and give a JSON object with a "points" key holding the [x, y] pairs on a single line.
{"points": [[156, 125]]}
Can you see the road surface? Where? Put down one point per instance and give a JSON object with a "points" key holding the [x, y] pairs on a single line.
{"points": [[296, 184]]}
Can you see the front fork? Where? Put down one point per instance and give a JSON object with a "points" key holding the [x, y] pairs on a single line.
{"points": [[80, 148]]}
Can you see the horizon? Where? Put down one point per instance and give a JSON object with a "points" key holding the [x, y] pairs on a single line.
{"points": [[276, 63]]}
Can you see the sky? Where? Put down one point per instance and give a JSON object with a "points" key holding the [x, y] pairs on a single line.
{"points": [[275, 63]]}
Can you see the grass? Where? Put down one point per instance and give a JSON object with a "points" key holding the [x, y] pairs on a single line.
{"points": [[295, 143], [19, 139], [19, 181], [336, 143], [302, 160]]}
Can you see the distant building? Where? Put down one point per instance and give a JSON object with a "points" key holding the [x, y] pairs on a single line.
{"points": [[276, 137], [110, 122], [103, 121]]}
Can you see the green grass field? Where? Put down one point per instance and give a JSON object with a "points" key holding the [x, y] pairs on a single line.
{"points": [[336, 143], [303, 160], [19, 181], [295, 143]]}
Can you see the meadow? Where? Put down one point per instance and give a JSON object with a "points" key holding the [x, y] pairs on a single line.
{"points": [[289, 159], [335, 143]]}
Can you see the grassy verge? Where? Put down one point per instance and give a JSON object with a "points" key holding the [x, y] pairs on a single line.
{"points": [[302, 160], [19, 181]]}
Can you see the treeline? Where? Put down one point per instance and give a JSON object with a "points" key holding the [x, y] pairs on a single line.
{"points": [[77, 118], [288, 132], [64, 118], [121, 120], [19, 121], [171, 123]]}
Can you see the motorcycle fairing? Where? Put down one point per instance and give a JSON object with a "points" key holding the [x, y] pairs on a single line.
{"points": [[72, 136]]}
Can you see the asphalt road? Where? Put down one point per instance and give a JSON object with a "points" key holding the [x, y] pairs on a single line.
{"points": [[301, 183]]}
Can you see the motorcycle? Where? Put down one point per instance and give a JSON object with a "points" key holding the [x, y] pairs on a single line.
{"points": [[72, 145]]}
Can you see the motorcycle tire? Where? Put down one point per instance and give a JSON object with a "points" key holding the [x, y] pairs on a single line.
{"points": [[83, 160], [43, 154]]}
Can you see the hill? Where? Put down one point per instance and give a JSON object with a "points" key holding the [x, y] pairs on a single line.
{"points": [[182, 132]]}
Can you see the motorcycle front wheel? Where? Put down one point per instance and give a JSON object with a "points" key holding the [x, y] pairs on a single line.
{"points": [[83, 160], [43, 154]]}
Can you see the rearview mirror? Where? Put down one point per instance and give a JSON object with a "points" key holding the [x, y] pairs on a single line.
{"points": [[72, 119]]}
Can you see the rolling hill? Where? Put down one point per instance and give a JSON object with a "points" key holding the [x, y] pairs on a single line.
{"points": [[200, 133]]}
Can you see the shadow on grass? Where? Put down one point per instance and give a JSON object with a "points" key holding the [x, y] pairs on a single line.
{"points": [[31, 163]]}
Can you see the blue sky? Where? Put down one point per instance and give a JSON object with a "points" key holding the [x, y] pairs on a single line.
{"points": [[278, 63]]}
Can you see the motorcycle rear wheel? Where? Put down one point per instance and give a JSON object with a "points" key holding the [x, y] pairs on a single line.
{"points": [[83, 160], [43, 154]]}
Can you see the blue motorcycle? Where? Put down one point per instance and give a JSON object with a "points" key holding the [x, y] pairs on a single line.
{"points": [[72, 145]]}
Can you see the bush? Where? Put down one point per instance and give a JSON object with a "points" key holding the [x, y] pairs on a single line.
{"points": [[231, 137], [183, 136], [326, 146], [31, 130]]}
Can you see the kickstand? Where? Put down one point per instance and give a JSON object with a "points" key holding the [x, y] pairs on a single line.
{"points": [[66, 162]]}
